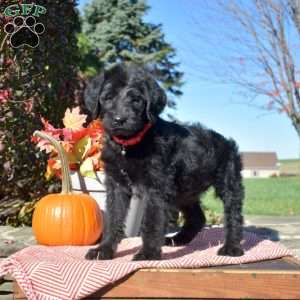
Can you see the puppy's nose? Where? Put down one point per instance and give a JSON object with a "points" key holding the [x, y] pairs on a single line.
{"points": [[118, 120]]}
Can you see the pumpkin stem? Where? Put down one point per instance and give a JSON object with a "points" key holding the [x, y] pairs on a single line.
{"points": [[66, 178]]}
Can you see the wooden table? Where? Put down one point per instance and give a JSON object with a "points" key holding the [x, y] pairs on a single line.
{"points": [[274, 279]]}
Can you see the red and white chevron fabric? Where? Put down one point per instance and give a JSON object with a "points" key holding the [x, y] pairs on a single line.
{"points": [[62, 273]]}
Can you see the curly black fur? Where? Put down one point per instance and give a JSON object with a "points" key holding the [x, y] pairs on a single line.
{"points": [[171, 167]]}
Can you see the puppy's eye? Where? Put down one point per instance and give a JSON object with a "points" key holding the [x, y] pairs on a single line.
{"points": [[107, 98], [135, 100]]}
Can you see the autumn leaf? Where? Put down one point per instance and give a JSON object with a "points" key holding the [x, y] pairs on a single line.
{"points": [[53, 168], [93, 150], [87, 168], [72, 159], [50, 129], [82, 147], [49, 173], [74, 135], [57, 164], [96, 124], [67, 134], [73, 119], [68, 147], [95, 130], [44, 145]]}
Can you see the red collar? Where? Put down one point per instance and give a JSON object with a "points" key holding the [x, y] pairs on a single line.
{"points": [[135, 139]]}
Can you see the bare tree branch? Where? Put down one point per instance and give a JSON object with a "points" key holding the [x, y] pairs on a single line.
{"points": [[294, 6], [259, 53]]}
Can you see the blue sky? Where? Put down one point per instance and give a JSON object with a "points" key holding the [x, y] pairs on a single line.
{"points": [[216, 106]]}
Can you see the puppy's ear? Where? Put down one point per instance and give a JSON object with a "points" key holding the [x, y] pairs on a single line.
{"points": [[156, 99], [92, 95]]}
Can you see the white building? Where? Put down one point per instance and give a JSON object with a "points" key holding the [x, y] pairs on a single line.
{"points": [[260, 164]]}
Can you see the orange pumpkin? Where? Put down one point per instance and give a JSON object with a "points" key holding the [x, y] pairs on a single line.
{"points": [[66, 218]]}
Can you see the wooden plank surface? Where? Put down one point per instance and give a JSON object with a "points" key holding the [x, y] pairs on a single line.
{"points": [[214, 284], [276, 279]]}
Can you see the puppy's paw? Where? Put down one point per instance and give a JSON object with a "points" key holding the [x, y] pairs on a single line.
{"points": [[101, 253], [143, 255], [231, 250]]}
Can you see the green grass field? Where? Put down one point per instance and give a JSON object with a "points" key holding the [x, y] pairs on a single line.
{"points": [[271, 196]]}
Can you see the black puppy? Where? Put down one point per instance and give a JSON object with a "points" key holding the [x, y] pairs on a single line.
{"points": [[166, 163]]}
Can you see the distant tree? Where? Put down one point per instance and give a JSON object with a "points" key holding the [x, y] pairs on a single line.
{"points": [[255, 45], [114, 31]]}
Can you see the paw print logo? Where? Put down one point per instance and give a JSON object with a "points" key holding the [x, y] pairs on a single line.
{"points": [[24, 31]]}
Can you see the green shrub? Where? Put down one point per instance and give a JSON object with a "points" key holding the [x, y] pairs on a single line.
{"points": [[34, 83]]}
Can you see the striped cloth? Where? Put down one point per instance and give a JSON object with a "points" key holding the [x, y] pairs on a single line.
{"points": [[62, 273]]}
